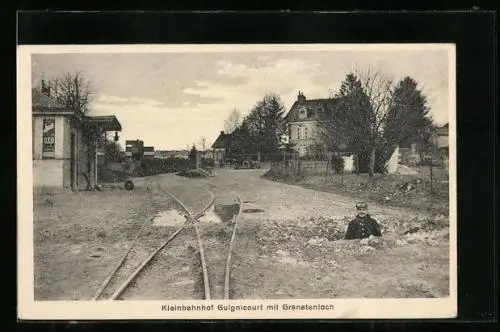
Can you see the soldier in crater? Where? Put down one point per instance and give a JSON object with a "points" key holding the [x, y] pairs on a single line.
{"points": [[363, 225]]}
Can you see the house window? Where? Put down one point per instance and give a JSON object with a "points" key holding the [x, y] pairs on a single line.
{"points": [[303, 132], [313, 132], [298, 132], [303, 113]]}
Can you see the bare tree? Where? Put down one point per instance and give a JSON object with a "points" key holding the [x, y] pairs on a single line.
{"points": [[203, 145], [233, 121], [378, 87], [75, 92]]}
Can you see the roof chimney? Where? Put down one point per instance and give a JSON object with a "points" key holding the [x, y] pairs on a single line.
{"points": [[45, 88], [301, 96], [222, 132]]}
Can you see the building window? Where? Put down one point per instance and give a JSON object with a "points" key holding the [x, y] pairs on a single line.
{"points": [[313, 132], [302, 132], [303, 113], [49, 138]]}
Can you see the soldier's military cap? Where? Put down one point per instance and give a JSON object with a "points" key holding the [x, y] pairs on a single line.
{"points": [[361, 206]]}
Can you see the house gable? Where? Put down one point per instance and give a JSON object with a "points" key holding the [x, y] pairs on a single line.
{"points": [[309, 110], [223, 141]]}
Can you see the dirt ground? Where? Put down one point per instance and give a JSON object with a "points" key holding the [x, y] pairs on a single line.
{"points": [[288, 243], [80, 237], [383, 189]]}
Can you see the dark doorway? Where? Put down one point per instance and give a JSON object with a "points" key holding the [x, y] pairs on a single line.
{"points": [[73, 162]]}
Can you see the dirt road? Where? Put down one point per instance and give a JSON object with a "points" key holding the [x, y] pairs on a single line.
{"points": [[288, 244], [280, 252]]}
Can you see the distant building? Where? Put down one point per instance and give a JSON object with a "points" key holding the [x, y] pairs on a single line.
{"points": [[442, 137], [134, 148], [303, 123], [221, 148], [61, 159], [303, 134], [303, 130], [165, 154], [149, 152]]}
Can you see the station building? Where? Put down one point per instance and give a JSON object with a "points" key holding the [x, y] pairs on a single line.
{"points": [[61, 158]]}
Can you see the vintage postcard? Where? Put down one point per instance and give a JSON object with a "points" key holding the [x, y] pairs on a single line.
{"points": [[237, 181]]}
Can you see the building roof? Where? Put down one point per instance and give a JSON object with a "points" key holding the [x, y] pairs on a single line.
{"points": [[443, 130], [223, 141], [43, 103], [106, 122], [314, 107], [149, 148]]}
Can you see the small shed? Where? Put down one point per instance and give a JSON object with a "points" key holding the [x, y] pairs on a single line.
{"points": [[61, 158]]}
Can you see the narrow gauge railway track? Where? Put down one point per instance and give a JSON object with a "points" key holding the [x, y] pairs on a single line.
{"points": [[216, 275], [136, 259], [215, 261], [219, 240]]}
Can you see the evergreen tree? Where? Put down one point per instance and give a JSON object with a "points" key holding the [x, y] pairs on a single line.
{"points": [[192, 157], [346, 120], [265, 124], [408, 117]]}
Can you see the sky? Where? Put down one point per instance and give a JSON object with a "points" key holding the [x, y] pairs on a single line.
{"points": [[172, 100]]}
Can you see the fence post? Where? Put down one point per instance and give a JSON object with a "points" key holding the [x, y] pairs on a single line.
{"points": [[326, 170], [430, 171]]}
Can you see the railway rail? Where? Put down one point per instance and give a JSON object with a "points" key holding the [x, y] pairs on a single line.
{"points": [[113, 288]]}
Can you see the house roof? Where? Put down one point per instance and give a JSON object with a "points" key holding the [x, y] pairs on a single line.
{"points": [[314, 107], [106, 122], [223, 141], [443, 130], [43, 103]]}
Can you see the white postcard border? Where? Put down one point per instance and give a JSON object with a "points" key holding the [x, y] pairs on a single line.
{"points": [[29, 309]]}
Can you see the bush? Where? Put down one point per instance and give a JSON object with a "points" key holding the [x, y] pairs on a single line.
{"points": [[207, 162], [338, 164], [192, 173]]}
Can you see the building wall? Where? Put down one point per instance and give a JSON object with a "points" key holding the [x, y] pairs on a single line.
{"points": [[47, 173], [47, 170], [219, 156], [442, 141], [50, 172], [393, 162], [37, 122], [303, 138], [348, 163]]}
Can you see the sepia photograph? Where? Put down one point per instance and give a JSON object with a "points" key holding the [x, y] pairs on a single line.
{"points": [[237, 181]]}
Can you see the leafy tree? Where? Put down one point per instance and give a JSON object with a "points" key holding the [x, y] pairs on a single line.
{"points": [[113, 151]]}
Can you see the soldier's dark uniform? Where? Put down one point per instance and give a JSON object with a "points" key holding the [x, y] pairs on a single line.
{"points": [[362, 226]]}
